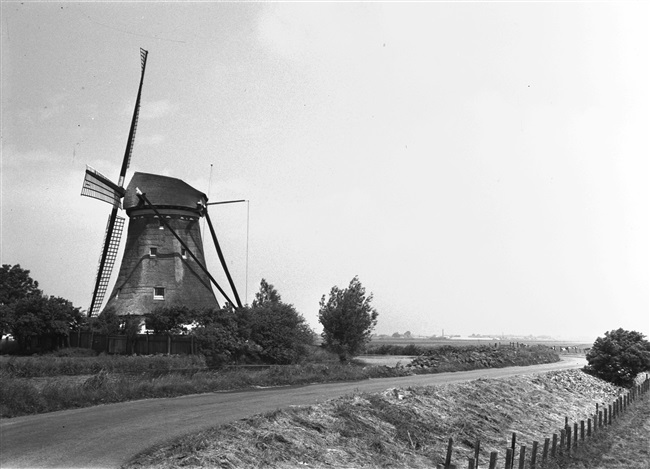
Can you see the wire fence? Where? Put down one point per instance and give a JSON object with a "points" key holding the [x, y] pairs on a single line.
{"points": [[562, 444]]}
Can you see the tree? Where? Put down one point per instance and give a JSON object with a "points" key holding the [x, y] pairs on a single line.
{"points": [[619, 357], [267, 295], [277, 328], [348, 319], [47, 319], [16, 284]]}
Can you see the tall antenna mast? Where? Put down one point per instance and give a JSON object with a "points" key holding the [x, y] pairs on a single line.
{"points": [[248, 209]]}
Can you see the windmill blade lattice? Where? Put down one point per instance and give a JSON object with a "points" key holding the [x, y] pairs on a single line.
{"points": [[104, 271], [98, 186]]}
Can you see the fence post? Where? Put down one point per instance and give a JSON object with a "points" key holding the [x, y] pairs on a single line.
{"points": [[508, 458], [575, 435], [477, 449], [470, 463], [493, 460], [609, 414], [449, 451], [568, 440], [582, 431], [554, 447], [589, 427], [620, 405], [533, 456], [522, 457], [514, 448], [545, 450], [562, 439]]}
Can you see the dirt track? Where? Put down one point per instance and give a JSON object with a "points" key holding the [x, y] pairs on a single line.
{"points": [[109, 435]]}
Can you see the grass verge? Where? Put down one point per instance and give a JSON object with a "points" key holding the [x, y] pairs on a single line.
{"points": [[22, 396], [31, 385], [70, 365], [626, 445]]}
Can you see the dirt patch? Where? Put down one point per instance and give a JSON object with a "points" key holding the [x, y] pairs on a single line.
{"points": [[386, 360]]}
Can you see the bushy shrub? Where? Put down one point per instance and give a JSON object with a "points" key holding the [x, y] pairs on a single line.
{"points": [[281, 333], [223, 337], [170, 319], [619, 357]]}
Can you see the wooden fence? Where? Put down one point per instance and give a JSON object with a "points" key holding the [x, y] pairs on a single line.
{"points": [[141, 344], [564, 443]]}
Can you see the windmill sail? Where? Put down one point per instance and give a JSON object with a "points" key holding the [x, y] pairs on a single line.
{"points": [[99, 187], [106, 262], [134, 121]]}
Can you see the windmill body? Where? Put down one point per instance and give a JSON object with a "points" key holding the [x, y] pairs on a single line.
{"points": [[163, 262], [156, 268]]}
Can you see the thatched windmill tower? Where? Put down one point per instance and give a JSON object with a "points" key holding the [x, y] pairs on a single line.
{"points": [[163, 262]]}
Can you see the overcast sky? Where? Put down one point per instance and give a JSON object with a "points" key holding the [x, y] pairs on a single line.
{"points": [[482, 167]]}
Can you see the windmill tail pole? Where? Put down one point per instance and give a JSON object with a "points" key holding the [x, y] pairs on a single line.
{"points": [[222, 259], [144, 199]]}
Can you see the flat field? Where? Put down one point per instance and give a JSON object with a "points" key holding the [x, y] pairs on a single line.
{"points": [[428, 342]]}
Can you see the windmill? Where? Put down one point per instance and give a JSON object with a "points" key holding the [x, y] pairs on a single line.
{"points": [[163, 262]]}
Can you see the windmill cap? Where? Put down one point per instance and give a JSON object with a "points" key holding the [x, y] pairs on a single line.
{"points": [[162, 191]]}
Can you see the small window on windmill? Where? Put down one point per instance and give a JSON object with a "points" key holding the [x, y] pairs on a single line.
{"points": [[153, 252], [158, 293], [117, 292], [184, 253], [161, 225]]}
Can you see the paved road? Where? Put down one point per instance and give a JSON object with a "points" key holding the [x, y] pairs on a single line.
{"points": [[109, 435]]}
